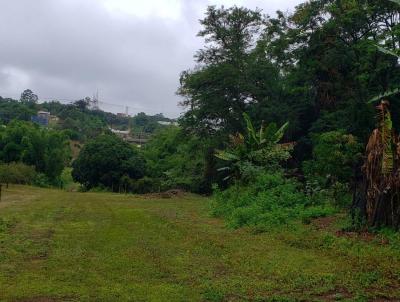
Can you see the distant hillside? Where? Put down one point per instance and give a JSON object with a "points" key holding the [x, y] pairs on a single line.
{"points": [[80, 122]]}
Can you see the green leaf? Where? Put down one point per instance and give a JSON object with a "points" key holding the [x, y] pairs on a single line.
{"points": [[250, 128], [280, 133], [396, 1], [223, 169], [226, 156], [269, 133], [387, 51], [384, 95]]}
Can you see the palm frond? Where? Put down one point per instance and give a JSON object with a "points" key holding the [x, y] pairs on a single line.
{"points": [[237, 139], [226, 156], [280, 133], [261, 132], [269, 133], [387, 51], [250, 128], [396, 1], [223, 169], [384, 95], [386, 137]]}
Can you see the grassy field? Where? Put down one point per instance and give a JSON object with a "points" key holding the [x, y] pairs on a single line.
{"points": [[59, 246]]}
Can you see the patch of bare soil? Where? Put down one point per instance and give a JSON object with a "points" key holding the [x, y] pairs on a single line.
{"points": [[364, 236], [324, 223]]}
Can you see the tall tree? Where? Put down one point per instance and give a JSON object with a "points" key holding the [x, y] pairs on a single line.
{"points": [[105, 161], [27, 96], [216, 91]]}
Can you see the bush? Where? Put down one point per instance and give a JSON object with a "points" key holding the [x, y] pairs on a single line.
{"points": [[17, 173], [178, 161], [67, 181], [46, 149], [146, 185], [335, 155], [41, 180], [268, 201]]}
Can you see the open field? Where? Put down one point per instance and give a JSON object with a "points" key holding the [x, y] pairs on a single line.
{"points": [[59, 246]]}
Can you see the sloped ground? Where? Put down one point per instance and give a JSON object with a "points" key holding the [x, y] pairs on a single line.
{"points": [[59, 246]]}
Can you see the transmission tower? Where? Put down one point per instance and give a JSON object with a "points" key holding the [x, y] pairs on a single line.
{"points": [[95, 101]]}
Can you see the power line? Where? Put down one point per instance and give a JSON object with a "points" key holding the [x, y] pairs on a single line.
{"points": [[126, 107]]}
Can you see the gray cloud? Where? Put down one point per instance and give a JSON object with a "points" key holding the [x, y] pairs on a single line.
{"points": [[70, 48]]}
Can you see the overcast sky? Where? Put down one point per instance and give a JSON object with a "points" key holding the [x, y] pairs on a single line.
{"points": [[132, 51]]}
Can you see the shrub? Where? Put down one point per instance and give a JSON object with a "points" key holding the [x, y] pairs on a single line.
{"points": [[335, 155], [146, 185], [268, 201], [41, 180], [17, 173], [176, 160], [43, 148]]}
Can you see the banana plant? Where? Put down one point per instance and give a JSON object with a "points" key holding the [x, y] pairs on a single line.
{"points": [[376, 195], [385, 120], [255, 149]]}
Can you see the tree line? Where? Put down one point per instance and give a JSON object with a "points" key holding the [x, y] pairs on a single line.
{"points": [[277, 116]]}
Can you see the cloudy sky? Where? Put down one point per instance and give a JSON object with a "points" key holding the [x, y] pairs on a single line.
{"points": [[132, 51]]}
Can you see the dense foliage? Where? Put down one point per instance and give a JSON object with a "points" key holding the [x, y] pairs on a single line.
{"points": [[109, 162], [17, 173], [47, 150], [311, 72], [270, 200], [335, 158], [315, 68], [178, 161]]}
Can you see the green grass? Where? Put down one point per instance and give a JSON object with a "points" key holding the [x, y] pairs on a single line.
{"points": [[60, 246]]}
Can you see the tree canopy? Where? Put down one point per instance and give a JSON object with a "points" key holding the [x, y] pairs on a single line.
{"points": [[105, 160]]}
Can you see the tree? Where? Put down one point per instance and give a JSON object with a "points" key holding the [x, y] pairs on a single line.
{"points": [[83, 104], [105, 160], [216, 92], [27, 96], [47, 150], [179, 161]]}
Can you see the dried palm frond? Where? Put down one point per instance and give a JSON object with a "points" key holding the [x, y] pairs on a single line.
{"points": [[379, 190], [386, 129]]}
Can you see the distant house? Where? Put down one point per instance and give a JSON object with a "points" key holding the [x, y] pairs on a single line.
{"points": [[122, 134], [128, 136], [42, 118]]}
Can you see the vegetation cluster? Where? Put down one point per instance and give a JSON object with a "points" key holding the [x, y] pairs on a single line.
{"points": [[277, 115]]}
